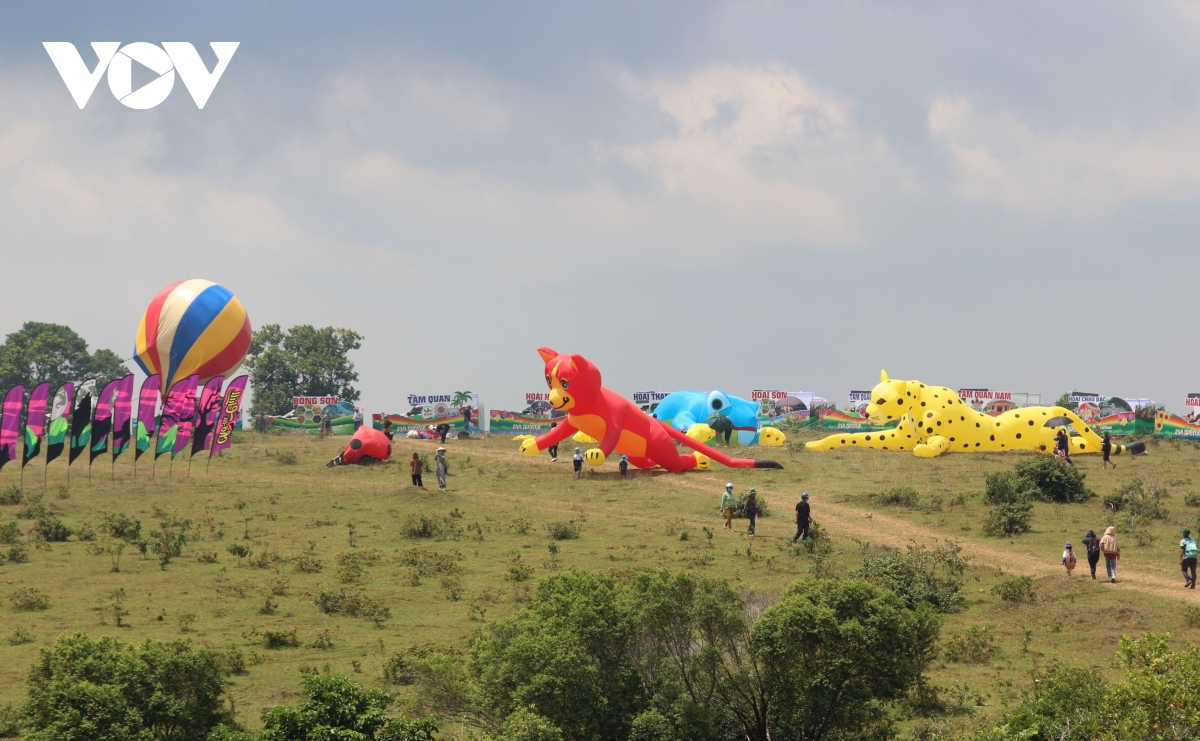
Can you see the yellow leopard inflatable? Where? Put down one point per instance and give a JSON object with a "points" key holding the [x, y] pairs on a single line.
{"points": [[934, 420]]}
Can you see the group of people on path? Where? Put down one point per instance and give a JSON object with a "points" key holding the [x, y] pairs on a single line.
{"points": [[750, 509], [1109, 547]]}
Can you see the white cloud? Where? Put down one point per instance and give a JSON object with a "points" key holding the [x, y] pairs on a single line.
{"points": [[1079, 172]]}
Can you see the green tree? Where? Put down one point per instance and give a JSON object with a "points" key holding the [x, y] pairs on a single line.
{"points": [[42, 352], [1065, 402], [303, 361], [832, 653], [336, 707], [105, 690]]}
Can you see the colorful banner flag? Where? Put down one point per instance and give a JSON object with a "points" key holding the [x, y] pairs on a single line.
{"points": [[231, 411], [81, 419], [206, 414], [60, 421], [122, 414], [10, 423], [147, 409], [102, 422], [180, 402], [187, 420], [35, 422]]}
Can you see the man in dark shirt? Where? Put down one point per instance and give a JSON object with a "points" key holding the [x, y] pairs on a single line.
{"points": [[802, 518]]}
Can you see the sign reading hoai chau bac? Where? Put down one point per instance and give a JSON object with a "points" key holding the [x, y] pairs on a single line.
{"points": [[1115, 415], [459, 409]]}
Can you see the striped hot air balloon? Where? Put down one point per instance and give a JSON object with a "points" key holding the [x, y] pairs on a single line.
{"points": [[193, 327]]}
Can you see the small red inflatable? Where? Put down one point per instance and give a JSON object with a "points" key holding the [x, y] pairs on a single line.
{"points": [[366, 447]]}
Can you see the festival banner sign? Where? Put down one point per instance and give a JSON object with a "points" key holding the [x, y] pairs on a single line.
{"points": [[993, 403], [122, 416], [859, 401], [10, 424], [460, 410], [648, 400], [35, 422], [835, 421], [230, 413], [1114, 414], [776, 407], [206, 414], [305, 417], [1172, 426], [60, 421], [147, 410], [535, 419], [187, 418], [81, 420], [180, 403], [102, 422]]}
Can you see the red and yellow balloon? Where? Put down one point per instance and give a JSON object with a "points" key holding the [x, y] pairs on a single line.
{"points": [[193, 327]]}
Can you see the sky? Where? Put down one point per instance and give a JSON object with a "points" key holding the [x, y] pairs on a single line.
{"points": [[735, 195]]}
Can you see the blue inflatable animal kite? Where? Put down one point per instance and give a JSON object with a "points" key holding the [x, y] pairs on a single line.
{"points": [[704, 416]]}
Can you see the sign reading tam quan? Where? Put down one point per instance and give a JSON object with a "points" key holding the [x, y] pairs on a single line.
{"points": [[310, 400]]}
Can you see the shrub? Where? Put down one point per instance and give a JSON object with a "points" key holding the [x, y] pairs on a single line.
{"points": [[11, 495], [764, 510], [518, 570], [17, 553], [19, 637], [1054, 481], [273, 639], [919, 575], [241, 550], [307, 562], [124, 691], [355, 604], [120, 526], [28, 599], [817, 540], [521, 526], [1009, 519], [168, 542], [10, 533], [1191, 499], [420, 526], [1016, 589], [50, 529], [324, 639], [1143, 499], [336, 707], [563, 530], [351, 567], [975, 645], [525, 725], [1005, 487], [898, 496], [10, 722], [286, 458]]}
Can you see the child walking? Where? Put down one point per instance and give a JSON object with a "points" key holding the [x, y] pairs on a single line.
{"points": [[624, 466], [577, 461], [1068, 558]]}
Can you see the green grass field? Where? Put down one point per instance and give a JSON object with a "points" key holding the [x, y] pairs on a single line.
{"points": [[493, 525]]}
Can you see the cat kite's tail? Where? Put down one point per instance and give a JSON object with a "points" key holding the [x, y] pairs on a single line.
{"points": [[717, 455]]}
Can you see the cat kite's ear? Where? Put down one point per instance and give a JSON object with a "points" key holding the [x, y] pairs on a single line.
{"points": [[883, 376], [546, 354]]}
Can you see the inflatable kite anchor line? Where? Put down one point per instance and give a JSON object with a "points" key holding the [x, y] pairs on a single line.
{"points": [[717, 455]]}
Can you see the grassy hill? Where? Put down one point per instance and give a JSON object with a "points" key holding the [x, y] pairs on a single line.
{"points": [[443, 562]]}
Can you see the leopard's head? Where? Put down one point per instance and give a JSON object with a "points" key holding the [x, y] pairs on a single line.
{"points": [[891, 399], [573, 381]]}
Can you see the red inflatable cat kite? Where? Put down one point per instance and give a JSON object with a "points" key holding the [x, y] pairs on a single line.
{"points": [[613, 420]]}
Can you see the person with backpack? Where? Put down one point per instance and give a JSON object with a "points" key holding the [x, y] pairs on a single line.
{"points": [[1068, 558], [1187, 558], [751, 510], [1111, 549], [1092, 544], [728, 505]]}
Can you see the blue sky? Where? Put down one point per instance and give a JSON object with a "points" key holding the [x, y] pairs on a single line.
{"points": [[727, 195]]}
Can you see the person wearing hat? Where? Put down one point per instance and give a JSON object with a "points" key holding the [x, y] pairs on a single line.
{"points": [[1187, 558], [1069, 559], [624, 466], [577, 461], [751, 510], [803, 515], [440, 460], [728, 504]]}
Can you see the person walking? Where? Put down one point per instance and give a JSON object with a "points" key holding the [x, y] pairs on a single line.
{"points": [[577, 462], [387, 428], [553, 449], [416, 467], [624, 466], [443, 430], [1111, 549], [751, 510], [358, 418], [803, 515], [1106, 449], [728, 504], [440, 467], [1062, 444], [1068, 558], [1092, 544], [1187, 558]]}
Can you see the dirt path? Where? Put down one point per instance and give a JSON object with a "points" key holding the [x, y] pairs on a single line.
{"points": [[1163, 580]]}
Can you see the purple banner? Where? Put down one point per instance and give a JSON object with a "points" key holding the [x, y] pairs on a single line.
{"points": [[10, 424], [180, 403], [206, 414], [35, 422], [122, 414], [231, 411], [102, 421], [60, 421], [187, 418], [147, 409]]}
